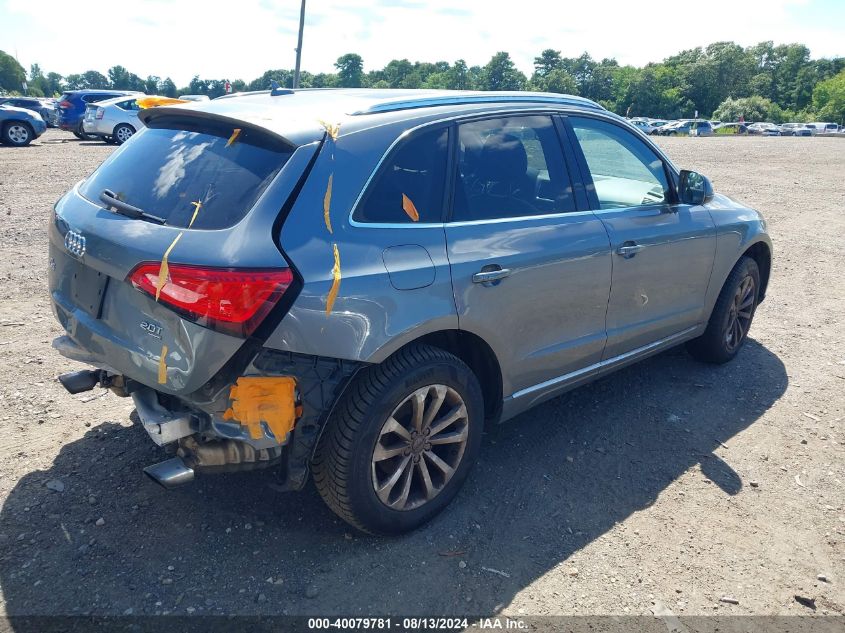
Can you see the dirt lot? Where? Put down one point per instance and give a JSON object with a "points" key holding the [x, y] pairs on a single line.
{"points": [[666, 486]]}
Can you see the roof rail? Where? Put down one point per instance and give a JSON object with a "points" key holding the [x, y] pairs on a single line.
{"points": [[466, 99]]}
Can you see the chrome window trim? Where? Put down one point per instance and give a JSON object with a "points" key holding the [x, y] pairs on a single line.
{"points": [[463, 99], [463, 116], [601, 364]]}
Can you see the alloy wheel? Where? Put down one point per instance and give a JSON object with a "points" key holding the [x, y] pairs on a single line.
{"points": [[420, 447], [741, 311], [123, 134], [17, 133]]}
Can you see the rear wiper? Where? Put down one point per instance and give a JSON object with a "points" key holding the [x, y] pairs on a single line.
{"points": [[119, 206]]}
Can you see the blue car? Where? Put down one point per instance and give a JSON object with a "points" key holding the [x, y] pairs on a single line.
{"points": [[72, 106], [19, 126]]}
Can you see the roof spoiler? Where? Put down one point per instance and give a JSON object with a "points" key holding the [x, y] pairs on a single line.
{"points": [[151, 116]]}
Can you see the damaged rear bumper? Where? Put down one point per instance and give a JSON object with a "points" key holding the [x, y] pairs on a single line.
{"points": [[270, 413]]}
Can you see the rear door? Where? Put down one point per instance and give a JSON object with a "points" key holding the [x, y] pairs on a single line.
{"points": [[662, 251], [530, 265]]}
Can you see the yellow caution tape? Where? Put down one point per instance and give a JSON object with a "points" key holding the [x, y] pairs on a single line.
{"points": [[154, 102], [164, 269], [327, 200], [332, 129], [336, 283], [235, 134], [162, 366], [409, 208], [198, 205], [257, 399]]}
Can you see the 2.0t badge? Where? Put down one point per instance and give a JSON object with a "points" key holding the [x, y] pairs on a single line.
{"points": [[153, 329]]}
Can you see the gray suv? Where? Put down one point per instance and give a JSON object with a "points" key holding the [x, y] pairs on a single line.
{"points": [[352, 283]]}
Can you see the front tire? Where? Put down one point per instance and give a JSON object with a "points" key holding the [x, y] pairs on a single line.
{"points": [[17, 134], [732, 315], [401, 442]]}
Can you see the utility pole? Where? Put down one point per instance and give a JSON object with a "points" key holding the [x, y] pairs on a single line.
{"points": [[299, 46]]}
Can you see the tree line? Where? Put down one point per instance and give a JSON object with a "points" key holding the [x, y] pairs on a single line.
{"points": [[723, 80]]}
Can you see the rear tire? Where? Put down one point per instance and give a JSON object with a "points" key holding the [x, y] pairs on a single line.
{"points": [[17, 134], [731, 319], [392, 425], [122, 133]]}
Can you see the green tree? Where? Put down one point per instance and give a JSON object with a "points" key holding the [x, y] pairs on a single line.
{"points": [[168, 88], [500, 73], [94, 79], [284, 77], [458, 76], [829, 99], [12, 74], [753, 108], [548, 61], [151, 84], [350, 70], [55, 85], [119, 78], [557, 80]]}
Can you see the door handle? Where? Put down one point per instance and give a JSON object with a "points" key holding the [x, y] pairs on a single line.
{"points": [[486, 276], [629, 249]]}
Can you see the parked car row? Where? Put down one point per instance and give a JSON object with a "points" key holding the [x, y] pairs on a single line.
{"points": [[45, 107], [703, 127], [20, 126]]}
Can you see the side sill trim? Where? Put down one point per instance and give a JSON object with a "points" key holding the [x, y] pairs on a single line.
{"points": [[601, 364]]}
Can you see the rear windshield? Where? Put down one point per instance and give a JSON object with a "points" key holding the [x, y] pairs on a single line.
{"points": [[166, 171]]}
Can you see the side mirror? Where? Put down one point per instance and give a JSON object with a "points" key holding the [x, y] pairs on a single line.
{"points": [[694, 188]]}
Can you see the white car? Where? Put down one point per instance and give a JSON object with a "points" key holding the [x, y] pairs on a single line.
{"points": [[824, 128], [644, 126], [113, 120]]}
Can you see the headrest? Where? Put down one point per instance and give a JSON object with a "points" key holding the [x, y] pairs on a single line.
{"points": [[503, 158]]}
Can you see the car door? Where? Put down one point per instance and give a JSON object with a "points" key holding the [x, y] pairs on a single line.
{"points": [[530, 266], [663, 251]]}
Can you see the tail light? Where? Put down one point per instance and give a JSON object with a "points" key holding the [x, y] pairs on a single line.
{"points": [[100, 113], [228, 300], [65, 104]]}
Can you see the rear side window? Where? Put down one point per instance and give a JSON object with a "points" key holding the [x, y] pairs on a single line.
{"points": [[166, 171], [510, 167], [409, 186]]}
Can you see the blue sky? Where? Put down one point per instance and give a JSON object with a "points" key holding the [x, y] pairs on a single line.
{"points": [[181, 38]]}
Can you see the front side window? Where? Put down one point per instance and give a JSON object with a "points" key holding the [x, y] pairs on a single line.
{"points": [[510, 167], [409, 186], [625, 171]]}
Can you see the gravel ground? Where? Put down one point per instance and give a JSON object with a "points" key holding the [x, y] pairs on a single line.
{"points": [[664, 487]]}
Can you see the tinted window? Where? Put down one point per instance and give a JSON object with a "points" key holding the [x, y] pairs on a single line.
{"points": [[625, 171], [409, 185], [510, 167], [163, 171], [96, 98]]}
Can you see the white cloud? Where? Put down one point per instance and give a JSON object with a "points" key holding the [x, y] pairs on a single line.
{"points": [[180, 38]]}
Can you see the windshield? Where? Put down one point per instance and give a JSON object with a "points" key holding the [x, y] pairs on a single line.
{"points": [[207, 168]]}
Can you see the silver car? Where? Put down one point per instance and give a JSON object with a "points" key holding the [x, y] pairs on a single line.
{"points": [[114, 120], [353, 283]]}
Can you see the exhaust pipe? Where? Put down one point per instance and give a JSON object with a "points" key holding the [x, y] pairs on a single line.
{"points": [[79, 381], [170, 473], [210, 457]]}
